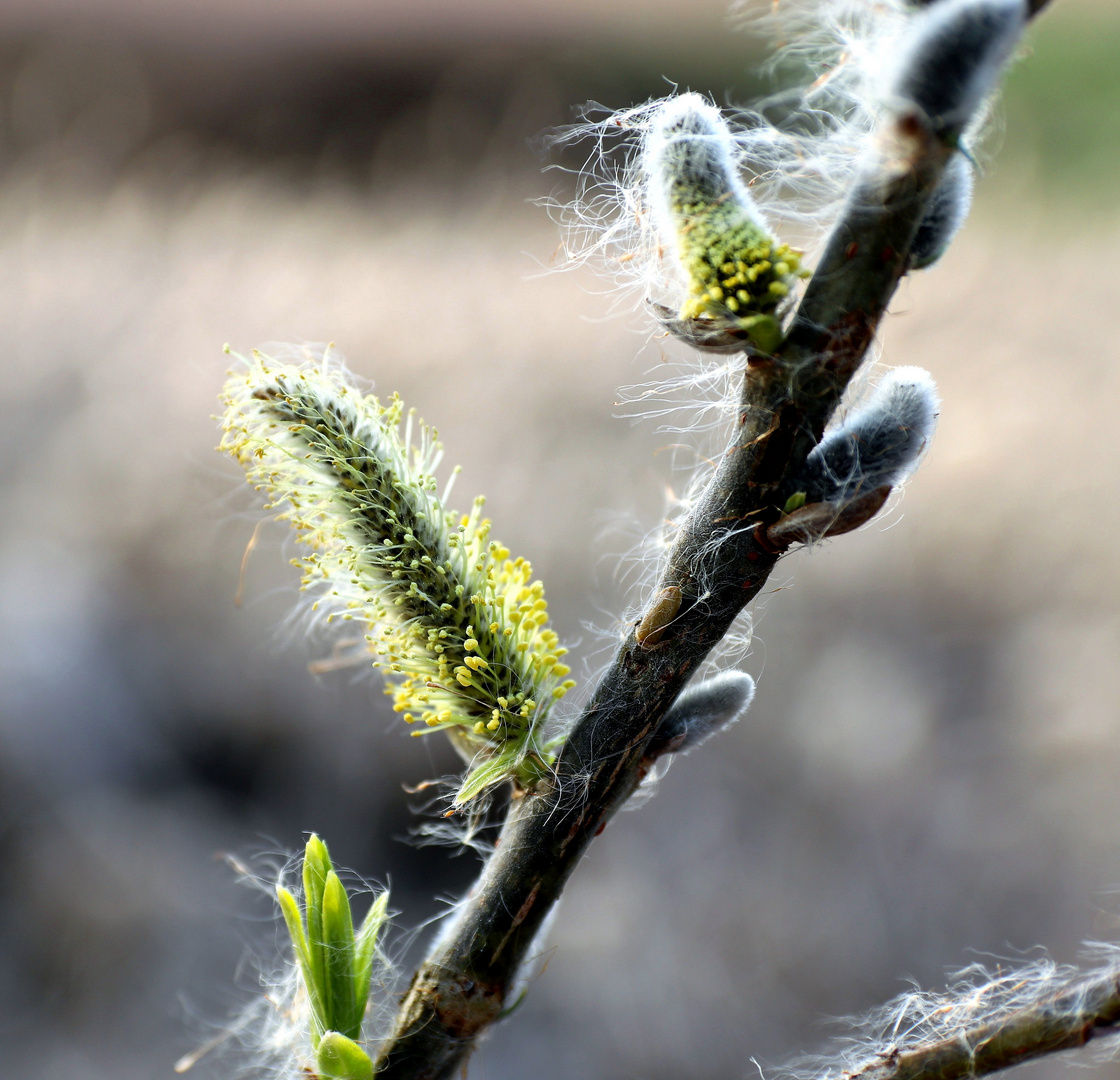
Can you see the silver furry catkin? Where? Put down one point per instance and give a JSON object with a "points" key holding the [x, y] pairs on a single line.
{"points": [[877, 444], [945, 213], [953, 57], [701, 711], [848, 476]]}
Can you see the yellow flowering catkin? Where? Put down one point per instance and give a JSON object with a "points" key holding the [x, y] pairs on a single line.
{"points": [[735, 268], [459, 627]]}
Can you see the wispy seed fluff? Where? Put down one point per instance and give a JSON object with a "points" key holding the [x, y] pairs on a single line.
{"points": [[736, 272], [1007, 1006], [459, 627]]}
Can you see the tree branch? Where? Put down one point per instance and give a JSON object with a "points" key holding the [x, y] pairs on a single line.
{"points": [[1083, 1010], [718, 562]]}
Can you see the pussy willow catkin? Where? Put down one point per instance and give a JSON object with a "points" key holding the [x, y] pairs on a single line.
{"points": [[459, 627]]}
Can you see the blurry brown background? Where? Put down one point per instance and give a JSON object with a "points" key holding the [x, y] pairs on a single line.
{"points": [[930, 769]]}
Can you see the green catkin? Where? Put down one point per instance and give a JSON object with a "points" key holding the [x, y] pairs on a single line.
{"points": [[457, 625], [733, 266]]}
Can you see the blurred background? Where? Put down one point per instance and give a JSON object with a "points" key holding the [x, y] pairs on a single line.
{"points": [[930, 771]]}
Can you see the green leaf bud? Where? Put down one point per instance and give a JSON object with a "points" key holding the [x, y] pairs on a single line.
{"points": [[340, 1058], [336, 964]]}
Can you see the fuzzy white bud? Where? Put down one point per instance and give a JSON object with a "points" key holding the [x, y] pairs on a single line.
{"points": [[701, 711], [946, 211], [689, 150], [952, 57], [878, 444]]}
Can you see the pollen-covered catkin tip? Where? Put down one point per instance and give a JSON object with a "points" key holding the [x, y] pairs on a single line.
{"points": [[736, 271], [953, 56], [701, 711]]}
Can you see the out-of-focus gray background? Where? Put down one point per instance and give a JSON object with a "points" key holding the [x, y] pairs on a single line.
{"points": [[931, 767]]}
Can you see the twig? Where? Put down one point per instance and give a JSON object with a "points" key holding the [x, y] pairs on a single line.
{"points": [[1084, 1010]]}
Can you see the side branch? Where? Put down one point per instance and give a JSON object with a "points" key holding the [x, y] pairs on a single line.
{"points": [[1086, 1009]]}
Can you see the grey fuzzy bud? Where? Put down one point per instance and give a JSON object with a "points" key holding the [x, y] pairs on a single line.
{"points": [[953, 56], [945, 213], [701, 711], [878, 444], [690, 150]]}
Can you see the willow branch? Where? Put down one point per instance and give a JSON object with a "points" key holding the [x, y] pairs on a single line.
{"points": [[718, 563], [1084, 1010]]}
